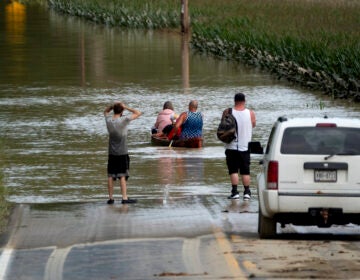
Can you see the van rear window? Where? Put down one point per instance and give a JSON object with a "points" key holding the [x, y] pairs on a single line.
{"points": [[321, 141]]}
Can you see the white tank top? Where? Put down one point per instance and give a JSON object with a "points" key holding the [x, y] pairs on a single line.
{"points": [[244, 130]]}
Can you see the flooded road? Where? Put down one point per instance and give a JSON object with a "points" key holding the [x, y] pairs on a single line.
{"points": [[59, 73], [57, 76]]}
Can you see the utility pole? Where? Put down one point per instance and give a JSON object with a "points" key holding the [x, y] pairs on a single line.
{"points": [[185, 16]]}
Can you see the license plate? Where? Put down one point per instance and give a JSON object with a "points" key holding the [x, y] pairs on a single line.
{"points": [[325, 176]]}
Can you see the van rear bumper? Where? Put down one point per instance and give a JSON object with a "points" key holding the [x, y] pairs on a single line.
{"points": [[307, 208], [314, 217]]}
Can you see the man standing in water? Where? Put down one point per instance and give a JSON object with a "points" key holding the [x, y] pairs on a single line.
{"points": [[237, 154], [118, 160]]}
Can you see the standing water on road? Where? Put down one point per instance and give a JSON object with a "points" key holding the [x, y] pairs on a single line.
{"points": [[57, 75]]}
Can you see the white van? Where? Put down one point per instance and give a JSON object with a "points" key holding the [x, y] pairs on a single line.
{"points": [[310, 174]]}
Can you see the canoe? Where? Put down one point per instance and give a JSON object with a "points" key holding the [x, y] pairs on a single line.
{"points": [[186, 143]]}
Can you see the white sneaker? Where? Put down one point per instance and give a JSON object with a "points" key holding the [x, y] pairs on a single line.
{"points": [[234, 196], [247, 195]]}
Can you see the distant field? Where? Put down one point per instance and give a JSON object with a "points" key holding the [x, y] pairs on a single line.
{"points": [[321, 39], [302, 18]]}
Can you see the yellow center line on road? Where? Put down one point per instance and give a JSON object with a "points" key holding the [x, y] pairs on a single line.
{"points": [[225, 247]]}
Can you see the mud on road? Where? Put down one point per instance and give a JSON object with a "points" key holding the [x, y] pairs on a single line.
{"points": [[298, 257], [296, 253]]}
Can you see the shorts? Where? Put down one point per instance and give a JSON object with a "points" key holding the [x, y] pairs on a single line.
{"points": [[118, 166], [238, 160], [167, 129]]}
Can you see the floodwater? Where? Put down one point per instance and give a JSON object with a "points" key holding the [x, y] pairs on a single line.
{"points": [[58, 74]]}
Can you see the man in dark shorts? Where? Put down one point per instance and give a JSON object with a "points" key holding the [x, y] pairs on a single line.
{"points": [[237, 154], [119, 160]]}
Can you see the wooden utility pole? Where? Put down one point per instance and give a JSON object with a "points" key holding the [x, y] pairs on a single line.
{"points": [[185, 16]]}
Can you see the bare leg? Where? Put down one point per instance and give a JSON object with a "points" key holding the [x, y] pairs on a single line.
{"points": [[123, 188], [245, 180], [234, 178], [110, 187]]}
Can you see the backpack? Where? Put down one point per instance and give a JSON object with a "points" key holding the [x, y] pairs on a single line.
{"points": [[227, 128]]}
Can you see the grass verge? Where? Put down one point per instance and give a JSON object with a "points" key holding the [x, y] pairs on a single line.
{"points": [[125, 13], [4, 209], [4, 204]]}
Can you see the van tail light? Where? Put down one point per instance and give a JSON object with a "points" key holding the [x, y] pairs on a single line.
{"points": [[273, 175]]}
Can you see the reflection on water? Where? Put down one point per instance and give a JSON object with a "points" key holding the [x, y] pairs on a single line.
{"points": [[15, 15], [54, 139], [185, 73], [175, 167], [175, 170]]}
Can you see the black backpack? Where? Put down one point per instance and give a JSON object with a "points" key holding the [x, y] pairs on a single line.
{"points": [[227, 128]]}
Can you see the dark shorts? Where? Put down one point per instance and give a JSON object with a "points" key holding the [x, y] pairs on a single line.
{"points": [[167, 129], [238, 161], [118, 166]]}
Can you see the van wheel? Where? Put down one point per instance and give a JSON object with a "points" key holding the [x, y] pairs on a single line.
{"points": [[266, 226]]}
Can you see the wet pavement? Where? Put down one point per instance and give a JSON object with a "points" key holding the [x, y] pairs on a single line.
{"points": [[201, 237], [98, 241]]}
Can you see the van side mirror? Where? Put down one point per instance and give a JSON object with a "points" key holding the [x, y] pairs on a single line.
{"points": [[254, 147]]}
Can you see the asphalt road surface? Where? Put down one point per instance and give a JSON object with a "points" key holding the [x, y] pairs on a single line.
{"points": [[195, 238]]}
